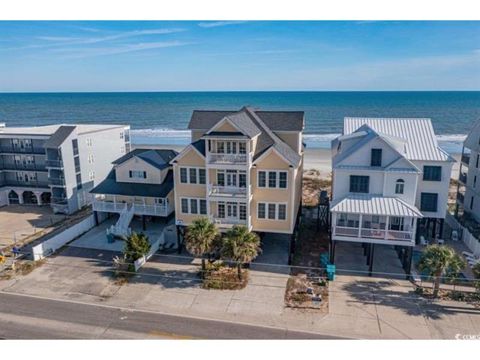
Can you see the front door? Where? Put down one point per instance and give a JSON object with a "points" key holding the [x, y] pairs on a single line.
{"points": [[231, 178], [232, 211]]}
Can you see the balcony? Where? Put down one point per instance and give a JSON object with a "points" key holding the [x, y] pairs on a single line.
{"points": [[466, 159], [227, 191], [227, 159], [463, 178], [373, 234], [21, 150], [54, 164], [228, 222], [108, 206], [57, 181], [24, 167], [33, 183], [152, 210]]}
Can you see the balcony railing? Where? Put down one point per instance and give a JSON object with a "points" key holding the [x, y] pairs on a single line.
{"points": [[463, 178], [466, 159], [228, 222], [461, 198], [20, 150], [214, 190], [108, 206], [216, 158], [33, 183], [152, 210], [56, 181], [54, 163], [24, 167], [368, 233]]}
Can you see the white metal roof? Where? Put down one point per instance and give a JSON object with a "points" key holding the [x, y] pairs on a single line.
{"points": [[374, 205], [421, 142], [50, 129]]}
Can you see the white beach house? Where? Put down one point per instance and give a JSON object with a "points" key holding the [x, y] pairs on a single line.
{"points": [[468, 196], [390, 182]]}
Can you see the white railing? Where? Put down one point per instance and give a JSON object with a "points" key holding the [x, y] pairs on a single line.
{"points": [[226, 190], [108, 206], [368, 233], [154, 210], [216, 158], [228, 221]]}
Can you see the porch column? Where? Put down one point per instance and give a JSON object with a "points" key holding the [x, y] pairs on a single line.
{"points": [[39, 198], [334, 223], [20, 196], [434, 230], [114, 202], [360, 226], [441, 228], [387, 224], [370, 268]]}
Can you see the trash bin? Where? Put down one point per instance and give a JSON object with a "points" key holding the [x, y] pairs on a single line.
{"points": [[331, 272]]}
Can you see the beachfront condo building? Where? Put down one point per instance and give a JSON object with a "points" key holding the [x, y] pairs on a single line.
{"points": [[390, 184], [57, 164], [468, 195], [140, 183], [242, 168]]}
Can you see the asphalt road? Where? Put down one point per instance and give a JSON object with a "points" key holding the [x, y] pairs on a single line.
{"points": [[26, 317]]}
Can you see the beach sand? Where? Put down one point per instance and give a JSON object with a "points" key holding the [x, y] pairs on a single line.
{"points": [[315, 159]]}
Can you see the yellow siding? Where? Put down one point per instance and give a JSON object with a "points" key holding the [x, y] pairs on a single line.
{"points": [[226, 126], [292, 139], [154, 175]]}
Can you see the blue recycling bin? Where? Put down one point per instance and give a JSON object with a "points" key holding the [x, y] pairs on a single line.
{"points": [[331, 272]]}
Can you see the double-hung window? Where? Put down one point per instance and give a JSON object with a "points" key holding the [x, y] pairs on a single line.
{"points": [[432, 173], [428, 202], [193, 206], [376, 157], [272, 211], [273, 179], [359, 184], [137, 174], [192, 175]]}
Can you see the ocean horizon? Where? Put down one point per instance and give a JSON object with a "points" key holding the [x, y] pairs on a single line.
{"points": [[162, 117]]}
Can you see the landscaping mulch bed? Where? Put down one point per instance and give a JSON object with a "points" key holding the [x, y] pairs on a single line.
{"points": [[472, 298], [303, 292], [219, 276]]}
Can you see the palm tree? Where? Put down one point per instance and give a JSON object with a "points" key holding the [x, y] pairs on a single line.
{"points": [[241, 246], [136, 246], [438, 260], [200, 237]]}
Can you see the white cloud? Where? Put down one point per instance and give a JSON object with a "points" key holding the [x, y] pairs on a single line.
{"points": [[211, 24]]}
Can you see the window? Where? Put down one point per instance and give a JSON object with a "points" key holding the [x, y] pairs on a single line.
{"points": [[192, 172], [221, 178], [193, 206], [75, 146], [121, 135], [376, 157], [282, 212], [471, 203], [283, 180], [428, 202], [183, 175], [399, 186], [262, 179], [242, 148], [243, 212], [201, 176], [242, 179], [137, 174], [203, 207], [359, 184], [474, 180], [89, 142], [272, 179], [432, 173], [90, 159], [271, 211], [276, 179], [221, 210], [478, 160], [261, 211], [220, 147], [185, 206], [192, 175], [91, 175]]}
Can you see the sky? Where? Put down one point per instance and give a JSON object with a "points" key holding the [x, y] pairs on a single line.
{"points": [[39, 56]]}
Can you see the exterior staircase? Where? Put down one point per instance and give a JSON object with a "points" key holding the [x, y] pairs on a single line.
{"points": [[122, 227]]}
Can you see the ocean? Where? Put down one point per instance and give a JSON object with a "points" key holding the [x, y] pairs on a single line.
{"points": [[162, 117]]}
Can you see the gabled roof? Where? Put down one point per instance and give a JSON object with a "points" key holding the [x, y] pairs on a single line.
{"points": [[59, 136], [473, 138], [275, 120], [110, 186], [369, 204], [200, 146], [242, 122], [159, 158], [420, 140]]}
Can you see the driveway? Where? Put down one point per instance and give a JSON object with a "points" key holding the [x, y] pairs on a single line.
{"points": [[20, 221]]}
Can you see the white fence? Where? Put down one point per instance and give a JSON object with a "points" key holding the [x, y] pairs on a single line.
{"points": [[51, 245], [153, 249], [472, 243]]}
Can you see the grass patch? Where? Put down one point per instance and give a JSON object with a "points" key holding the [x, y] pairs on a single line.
{"points": [[303, 292], [219, 276]]}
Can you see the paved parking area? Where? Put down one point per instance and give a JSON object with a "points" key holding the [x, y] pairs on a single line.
{"points": [[21, 221]]}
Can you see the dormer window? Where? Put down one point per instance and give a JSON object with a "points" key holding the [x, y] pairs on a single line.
{"points": [[376, 157], [399, 186]]}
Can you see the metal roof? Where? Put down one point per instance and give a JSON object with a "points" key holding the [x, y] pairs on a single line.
{"points": [[374, 205], [421, 142]]}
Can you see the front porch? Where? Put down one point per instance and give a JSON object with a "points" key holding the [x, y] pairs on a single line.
{"points": [[141, 205]]}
